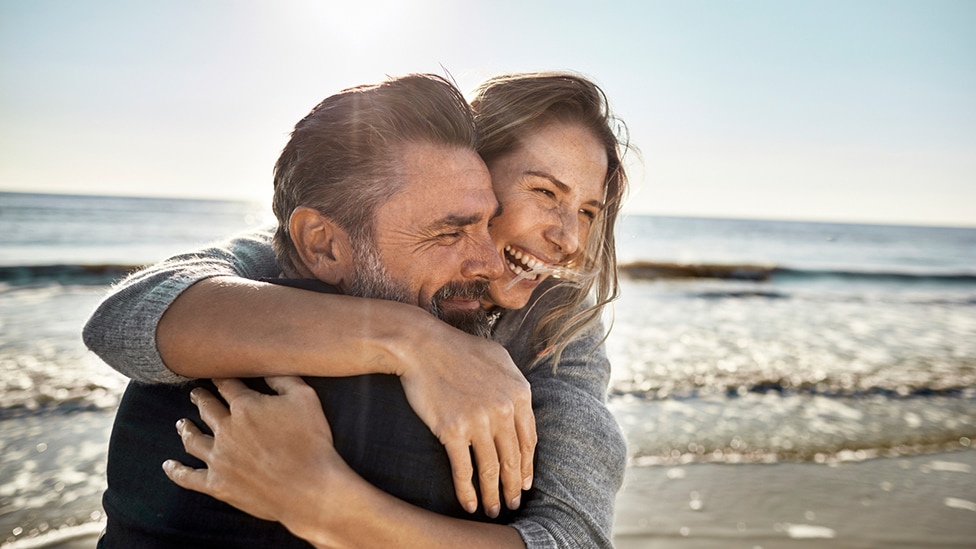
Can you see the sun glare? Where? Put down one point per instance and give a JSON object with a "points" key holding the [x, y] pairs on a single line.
{"points": [[357, 24]]}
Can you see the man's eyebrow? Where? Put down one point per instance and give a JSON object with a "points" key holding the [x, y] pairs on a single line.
{"points": [[562, 186], [457, 220]]}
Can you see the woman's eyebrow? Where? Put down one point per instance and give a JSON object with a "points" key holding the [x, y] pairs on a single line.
{"points": [[563, 187]]}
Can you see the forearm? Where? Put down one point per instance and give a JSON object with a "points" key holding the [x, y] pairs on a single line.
{"points": [[234, 327], [348, 512]]}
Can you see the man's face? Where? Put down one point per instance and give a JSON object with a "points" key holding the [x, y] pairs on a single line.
{"points": [[431, 245]]}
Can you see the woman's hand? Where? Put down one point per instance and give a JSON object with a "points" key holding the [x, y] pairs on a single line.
{"points": [[469, 392], [272, 456], [268, 452]]}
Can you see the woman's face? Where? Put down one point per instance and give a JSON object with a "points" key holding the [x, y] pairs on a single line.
{"points": [[550, 189]]}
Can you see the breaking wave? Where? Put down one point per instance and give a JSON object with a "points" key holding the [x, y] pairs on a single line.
{"points": [[760, 273], [22, 275]]}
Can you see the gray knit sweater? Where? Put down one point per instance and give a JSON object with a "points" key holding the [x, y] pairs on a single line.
{"points": [[581, 453]]}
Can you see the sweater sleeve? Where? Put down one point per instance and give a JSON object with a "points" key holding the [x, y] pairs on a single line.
{"points": [[122, 330], [581, 455]]}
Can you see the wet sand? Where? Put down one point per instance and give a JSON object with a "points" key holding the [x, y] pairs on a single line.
{"points": [[925, 501]]}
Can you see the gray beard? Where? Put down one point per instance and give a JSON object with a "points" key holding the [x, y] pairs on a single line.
{"points": [[371, 279]]}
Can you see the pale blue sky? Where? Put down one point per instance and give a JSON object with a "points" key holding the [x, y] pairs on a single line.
{"points": [[827, 110]]}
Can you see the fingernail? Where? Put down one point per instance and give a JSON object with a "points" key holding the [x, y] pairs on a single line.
{"points": [[527, 482], [168, 465], [471, 506], [493, 511], [514, 504], [179, 424], [193, 396]]}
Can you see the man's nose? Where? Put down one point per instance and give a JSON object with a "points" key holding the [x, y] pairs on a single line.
{"points": [[484, 261]]}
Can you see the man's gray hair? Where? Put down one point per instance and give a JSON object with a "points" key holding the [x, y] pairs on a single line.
{"points": [[342, 158]]}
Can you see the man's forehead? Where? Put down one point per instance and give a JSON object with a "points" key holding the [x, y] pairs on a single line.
{"points": [[441, 185], [420, 157]]}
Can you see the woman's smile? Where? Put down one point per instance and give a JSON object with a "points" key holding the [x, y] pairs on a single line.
{"points": [[519, 261]]}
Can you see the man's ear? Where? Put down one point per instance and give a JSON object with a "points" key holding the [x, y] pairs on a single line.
{"points": [[324, 247]]}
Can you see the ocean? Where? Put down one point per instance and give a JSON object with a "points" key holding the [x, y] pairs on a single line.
{"points": [[737, 342], [808, 341]]}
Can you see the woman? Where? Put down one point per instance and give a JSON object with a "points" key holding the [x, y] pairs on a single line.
{"points": [[554, 159]]}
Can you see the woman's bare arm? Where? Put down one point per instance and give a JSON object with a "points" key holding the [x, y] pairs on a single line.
{"points": [[465, 388], [234, 327]]}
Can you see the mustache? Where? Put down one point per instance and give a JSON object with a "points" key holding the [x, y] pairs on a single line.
{"points": [[475, 289], [473, 322]]}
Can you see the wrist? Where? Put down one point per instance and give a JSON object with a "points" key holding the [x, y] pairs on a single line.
{"points": [[406, 348], [318, 512]]}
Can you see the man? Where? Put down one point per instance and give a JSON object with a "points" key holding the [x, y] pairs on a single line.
{"points": [[379, 171]]}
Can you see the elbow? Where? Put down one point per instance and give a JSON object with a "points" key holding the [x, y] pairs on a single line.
{"points": [[95, 334], [105, 335]]}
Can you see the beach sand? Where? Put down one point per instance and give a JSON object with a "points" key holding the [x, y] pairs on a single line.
{"points": [[924, 501]]}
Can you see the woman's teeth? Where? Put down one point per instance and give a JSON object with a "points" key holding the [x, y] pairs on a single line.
{"points": [[523, 262]]}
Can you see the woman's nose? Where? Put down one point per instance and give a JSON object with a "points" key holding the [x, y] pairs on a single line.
{"points": [[564, 232]]}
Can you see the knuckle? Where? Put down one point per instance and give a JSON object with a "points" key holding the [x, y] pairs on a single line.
{"points": [[176, 473], [489, 472], [505, 409], [216, 487], [455, 429], [463, 472]]}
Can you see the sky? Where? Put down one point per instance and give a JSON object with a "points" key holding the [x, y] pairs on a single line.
{"points": [[830, 110]]}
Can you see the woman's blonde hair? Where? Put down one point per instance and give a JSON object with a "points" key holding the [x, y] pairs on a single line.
{"points": [[510, 106]]}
